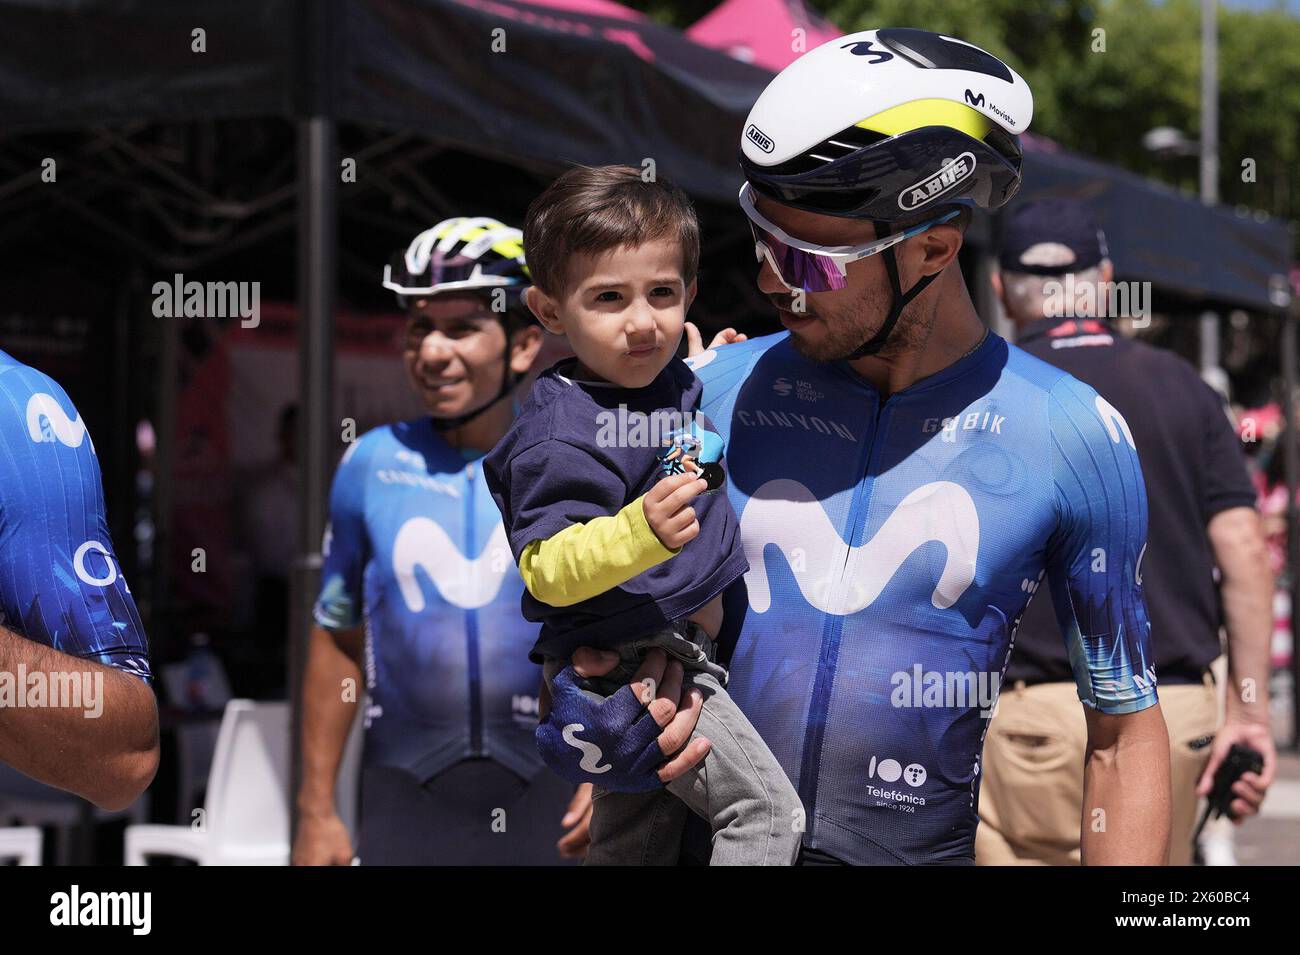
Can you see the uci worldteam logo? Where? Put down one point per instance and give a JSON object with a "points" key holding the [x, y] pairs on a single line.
{"points": [[839, 579]]}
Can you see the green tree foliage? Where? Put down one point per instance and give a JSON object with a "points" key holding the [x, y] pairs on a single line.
{"points": [[1260, 109]]}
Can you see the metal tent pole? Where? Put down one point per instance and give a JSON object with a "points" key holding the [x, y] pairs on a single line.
{"points": [[1209, 327], [162, 613], [317, 147], [317, 288], [1291, 461]]}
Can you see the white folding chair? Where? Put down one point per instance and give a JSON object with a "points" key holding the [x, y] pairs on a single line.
{"points": [[26, 802], [245, 818], [196, 742], [22, 843]]}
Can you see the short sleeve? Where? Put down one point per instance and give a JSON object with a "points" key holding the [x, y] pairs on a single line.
{"points": [[61, 583], [1226, 480], [723, 370], [346, 547], [553, 485], [1095, 553]]}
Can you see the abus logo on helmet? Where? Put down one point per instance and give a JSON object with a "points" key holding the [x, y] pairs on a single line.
{"points": [[759, 138], [952, 173]]}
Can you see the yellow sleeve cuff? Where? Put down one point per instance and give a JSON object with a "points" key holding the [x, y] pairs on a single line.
{"points": [[585, 560]]}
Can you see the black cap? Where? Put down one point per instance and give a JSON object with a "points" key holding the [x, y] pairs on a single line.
{"points": [[1050, 237]]}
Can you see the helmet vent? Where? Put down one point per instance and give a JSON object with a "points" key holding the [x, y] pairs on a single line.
{"points": [[827, 151], [936, 52], [1004, 144]]}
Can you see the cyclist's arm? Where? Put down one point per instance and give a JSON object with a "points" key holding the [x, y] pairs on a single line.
{"points": [[1126, 809], [68, 623], [105, 750], [330, 692], [1094, 573], [332, 679]]}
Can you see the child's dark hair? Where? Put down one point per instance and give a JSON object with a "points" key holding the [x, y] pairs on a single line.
{"points": [[593, 210]]}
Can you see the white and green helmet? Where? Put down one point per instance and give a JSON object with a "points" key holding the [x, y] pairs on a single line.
{"points": [[460, 254]]}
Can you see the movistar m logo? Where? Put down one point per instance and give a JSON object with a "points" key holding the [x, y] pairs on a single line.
{"points": [[591, 754], [1114, 421], [48, 422], [977, 100], [839, 579], [422, 544], [864, 48]]}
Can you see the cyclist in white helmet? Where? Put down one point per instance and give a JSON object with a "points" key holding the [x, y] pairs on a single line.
{"points": [[906, 479], [419, 592]]}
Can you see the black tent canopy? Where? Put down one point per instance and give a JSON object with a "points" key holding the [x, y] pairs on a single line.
{"points": [[534, 85], [1156, 234]]}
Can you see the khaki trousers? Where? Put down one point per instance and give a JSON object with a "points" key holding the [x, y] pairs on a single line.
{"points": [[1031, 789]]}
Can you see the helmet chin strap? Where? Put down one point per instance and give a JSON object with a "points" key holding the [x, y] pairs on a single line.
{"points": [[508, 381], [877, 341]]}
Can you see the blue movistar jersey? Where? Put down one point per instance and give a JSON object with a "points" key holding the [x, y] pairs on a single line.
{"points": [[893, 545], [415, 549], [60, 581]]}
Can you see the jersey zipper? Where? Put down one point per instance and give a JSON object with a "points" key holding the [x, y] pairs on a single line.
{"points": [[828, 659], [471, 635]]}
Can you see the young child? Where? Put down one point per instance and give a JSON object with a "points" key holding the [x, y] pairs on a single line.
{"points": [[618, 542]]}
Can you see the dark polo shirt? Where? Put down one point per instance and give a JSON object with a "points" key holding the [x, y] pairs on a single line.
{"points": [[1194, 468]]}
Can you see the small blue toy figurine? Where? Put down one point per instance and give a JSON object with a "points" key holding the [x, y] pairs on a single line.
{"points": [[699, 451]]}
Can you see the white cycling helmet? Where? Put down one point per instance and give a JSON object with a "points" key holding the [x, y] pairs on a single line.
{"points": [[888, 125], [465, 254], [460, 254]]}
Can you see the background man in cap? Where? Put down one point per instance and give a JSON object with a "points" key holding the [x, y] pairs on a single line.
{"points": [[1054, 284]]}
